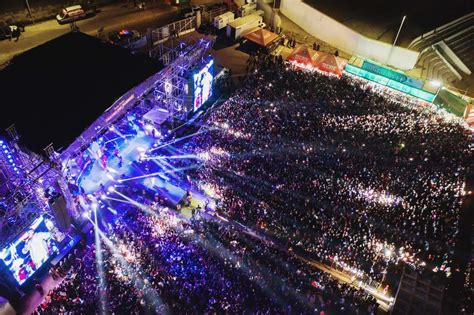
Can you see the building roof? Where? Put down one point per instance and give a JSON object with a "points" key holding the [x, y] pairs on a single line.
{"points": [[54, 91]]}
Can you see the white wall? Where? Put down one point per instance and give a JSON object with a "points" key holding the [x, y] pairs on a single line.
{"points": [[343, 38], [267, 15]]}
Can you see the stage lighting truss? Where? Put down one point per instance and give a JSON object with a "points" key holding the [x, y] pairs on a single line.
{"points": [[181, 57], [23, 177]]}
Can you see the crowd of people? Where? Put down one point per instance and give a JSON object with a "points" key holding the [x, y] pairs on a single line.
{"points": [[157, 263], [326, 167], [364, 181]]}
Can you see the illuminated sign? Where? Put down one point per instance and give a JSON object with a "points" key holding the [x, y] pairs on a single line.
{"points": [[202, 82], [392, 75], [429, 97], [30, 250]]}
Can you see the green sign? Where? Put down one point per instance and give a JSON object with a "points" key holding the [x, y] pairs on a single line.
{"points": [[396, 85], [392, 75]]}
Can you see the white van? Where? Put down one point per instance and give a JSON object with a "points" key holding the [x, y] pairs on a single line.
{"points": [[71, 14]]}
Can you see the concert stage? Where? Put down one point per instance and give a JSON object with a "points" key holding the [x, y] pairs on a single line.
{"points": [[118, 160]]}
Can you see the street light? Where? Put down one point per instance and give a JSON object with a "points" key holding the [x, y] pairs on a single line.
{"points": [[438, 85], [435, 83], [399, 29], [396, 38]]}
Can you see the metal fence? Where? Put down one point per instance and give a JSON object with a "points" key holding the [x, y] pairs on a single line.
{"points": [[208, 16], [174, 29]]}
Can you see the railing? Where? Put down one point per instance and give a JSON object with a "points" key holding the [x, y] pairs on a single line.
{"points": [[174, 29], [208, 16]]}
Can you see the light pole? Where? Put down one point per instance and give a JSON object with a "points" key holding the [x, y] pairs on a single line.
{"points": [[438, 85], [399, 29], [396, 38], [466, 90]]}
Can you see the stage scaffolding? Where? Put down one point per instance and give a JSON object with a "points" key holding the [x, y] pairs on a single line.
{"points": [[167, 89], [181, 56], [25, 199], [22, 197]]}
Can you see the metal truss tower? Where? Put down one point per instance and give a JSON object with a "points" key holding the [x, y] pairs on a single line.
{"points": [[181, 57], [23, 177]]}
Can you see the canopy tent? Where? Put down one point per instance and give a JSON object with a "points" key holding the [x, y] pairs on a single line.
{"points": [[307, 58], [329, 63], [303, 55], [261, 37]]}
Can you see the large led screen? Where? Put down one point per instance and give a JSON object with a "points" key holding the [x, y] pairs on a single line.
{"points": [[30, 250], [203, 85]]}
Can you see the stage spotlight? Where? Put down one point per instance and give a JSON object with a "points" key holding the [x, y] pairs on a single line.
{"points": [[103, 197], [111, 189], [86, 215], [94, 206]]}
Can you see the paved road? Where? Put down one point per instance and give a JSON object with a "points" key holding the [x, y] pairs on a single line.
{"points": [[112, 18]]}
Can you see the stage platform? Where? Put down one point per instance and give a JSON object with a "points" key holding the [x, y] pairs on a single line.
{"points": [[153, 176]]}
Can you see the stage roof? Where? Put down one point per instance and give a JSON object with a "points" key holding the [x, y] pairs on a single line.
{"points": [[53, 92]]}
